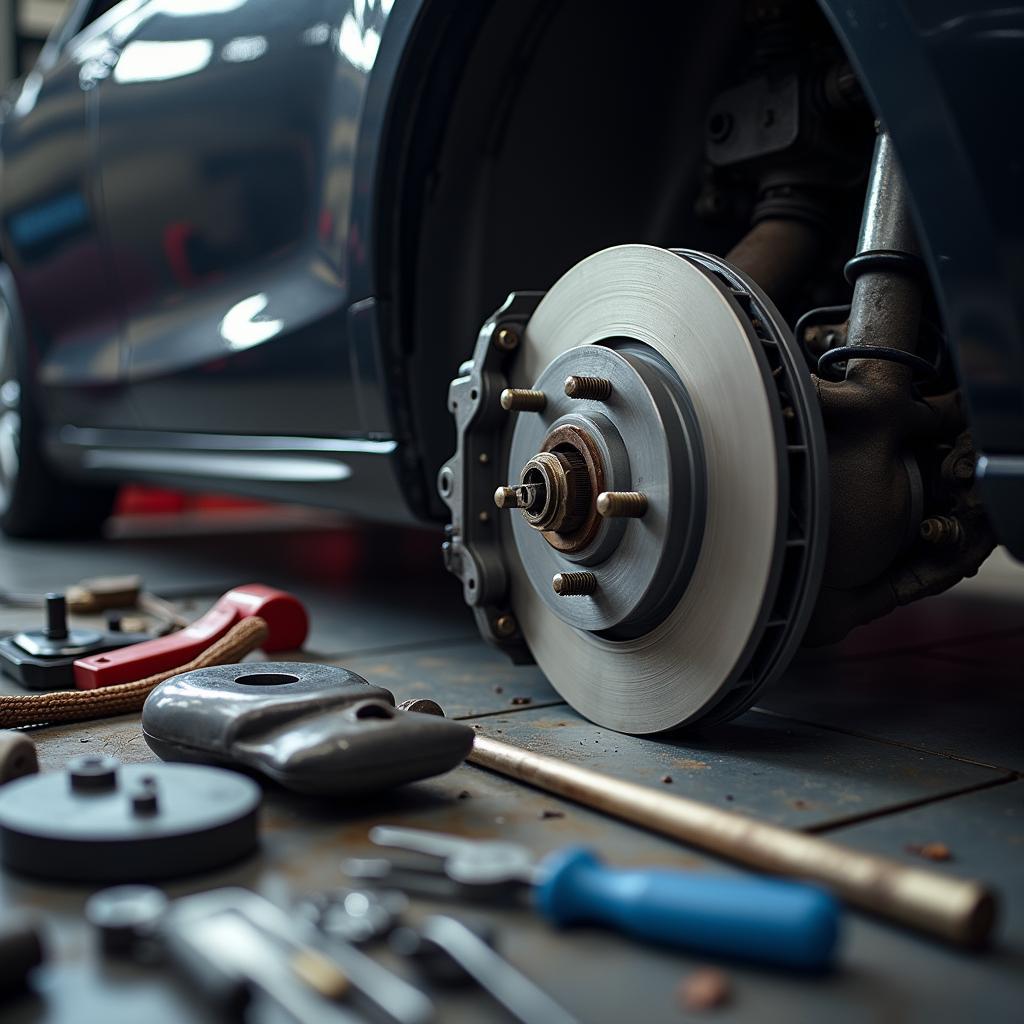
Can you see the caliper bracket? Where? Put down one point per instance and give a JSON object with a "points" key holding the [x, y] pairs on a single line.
{"points": [[468, 480]]}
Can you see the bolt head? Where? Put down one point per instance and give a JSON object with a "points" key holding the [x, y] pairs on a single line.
{"points": [[93, 773], [720, 126], [505, 625], [422, 706], [507, 339], [126, 916], [144, 797], [963, 469]]}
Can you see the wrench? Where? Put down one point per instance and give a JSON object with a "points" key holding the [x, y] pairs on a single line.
{"points": [[495, 975]]}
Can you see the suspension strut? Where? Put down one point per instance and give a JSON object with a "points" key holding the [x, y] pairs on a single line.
{"points": [[881, 553], [886, 274]]}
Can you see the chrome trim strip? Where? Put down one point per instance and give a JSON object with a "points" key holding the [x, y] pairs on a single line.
{"points": [[250, 466], [155, 440]]}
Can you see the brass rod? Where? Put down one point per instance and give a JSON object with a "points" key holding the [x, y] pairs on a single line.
{"points": [[957, 910]]}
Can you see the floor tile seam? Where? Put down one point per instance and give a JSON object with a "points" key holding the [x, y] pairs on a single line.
{"points": [[518, 709], [822, 828], [463, 640], [1003, 769]]}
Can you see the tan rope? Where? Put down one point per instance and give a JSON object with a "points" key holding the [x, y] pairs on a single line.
{"points": [[84, 705]]}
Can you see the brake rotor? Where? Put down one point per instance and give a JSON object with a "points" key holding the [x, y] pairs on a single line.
{"points": [[695, 597]]}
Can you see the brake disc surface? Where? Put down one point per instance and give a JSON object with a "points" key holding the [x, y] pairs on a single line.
{"points": [[711, 415], [714, 647]]}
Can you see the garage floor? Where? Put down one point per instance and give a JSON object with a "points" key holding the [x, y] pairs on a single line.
{"points": [[910, 732]]}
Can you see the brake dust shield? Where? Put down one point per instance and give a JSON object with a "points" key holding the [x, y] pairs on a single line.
{"points": [[664, 374]]}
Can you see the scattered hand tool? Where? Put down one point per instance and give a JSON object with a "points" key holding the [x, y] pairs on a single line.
{"points": [[86, 597], [441, 942], [78, 706], [127, 919], [106, 593], [219, 939], [230, 945], [284, 615], [43, 659], [312, 728], [230, 960], [358, 916], [103, 593], [100, 820], [17, 756], [162, 610], [764, 920], [21, 950], [118, 593], [958, 910]]}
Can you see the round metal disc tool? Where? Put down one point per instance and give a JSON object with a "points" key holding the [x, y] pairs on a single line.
{"points": [[99, 820], [685, 383]]}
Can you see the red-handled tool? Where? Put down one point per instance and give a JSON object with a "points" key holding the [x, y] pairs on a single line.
{"points": [[284, 614]]}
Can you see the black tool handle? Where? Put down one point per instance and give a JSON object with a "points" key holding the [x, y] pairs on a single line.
{"points": [[56, 617]]}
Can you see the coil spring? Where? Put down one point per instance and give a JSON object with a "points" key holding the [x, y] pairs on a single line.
{"points": [[825, 366]]}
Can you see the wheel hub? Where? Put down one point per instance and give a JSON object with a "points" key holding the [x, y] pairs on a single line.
{"points": [[638, 438], [556, 489]]}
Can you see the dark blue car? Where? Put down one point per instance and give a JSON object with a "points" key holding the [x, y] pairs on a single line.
{"points": [[718, 305]]}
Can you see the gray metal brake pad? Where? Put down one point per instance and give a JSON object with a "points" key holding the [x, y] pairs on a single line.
{"points": [[311, 728]]}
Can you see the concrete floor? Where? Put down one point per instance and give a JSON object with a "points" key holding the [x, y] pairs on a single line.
{"points": [[911, 731]]}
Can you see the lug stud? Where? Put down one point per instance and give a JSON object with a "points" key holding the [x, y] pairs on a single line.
{"points": [[621, 504], [523, 400], [574, 584], [596, 388]]}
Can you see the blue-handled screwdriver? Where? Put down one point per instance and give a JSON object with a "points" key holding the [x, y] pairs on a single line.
{"points": [[764, 920]]}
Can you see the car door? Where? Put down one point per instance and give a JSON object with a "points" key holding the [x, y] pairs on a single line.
{"points": [[227, 137], [51, 209]]}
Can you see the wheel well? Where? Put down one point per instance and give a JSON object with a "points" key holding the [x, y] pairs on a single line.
{"points": [[541, 134]]}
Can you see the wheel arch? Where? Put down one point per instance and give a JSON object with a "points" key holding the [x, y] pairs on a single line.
{"points": [[453, 128]]}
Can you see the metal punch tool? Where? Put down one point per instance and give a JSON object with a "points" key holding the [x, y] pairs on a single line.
{"points": [[765, 920], [450, 952]]}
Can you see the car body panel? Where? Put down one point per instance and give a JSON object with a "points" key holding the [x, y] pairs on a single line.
{"points": [[227, 132], [215, 252], [218, 217], [50, 231]]}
